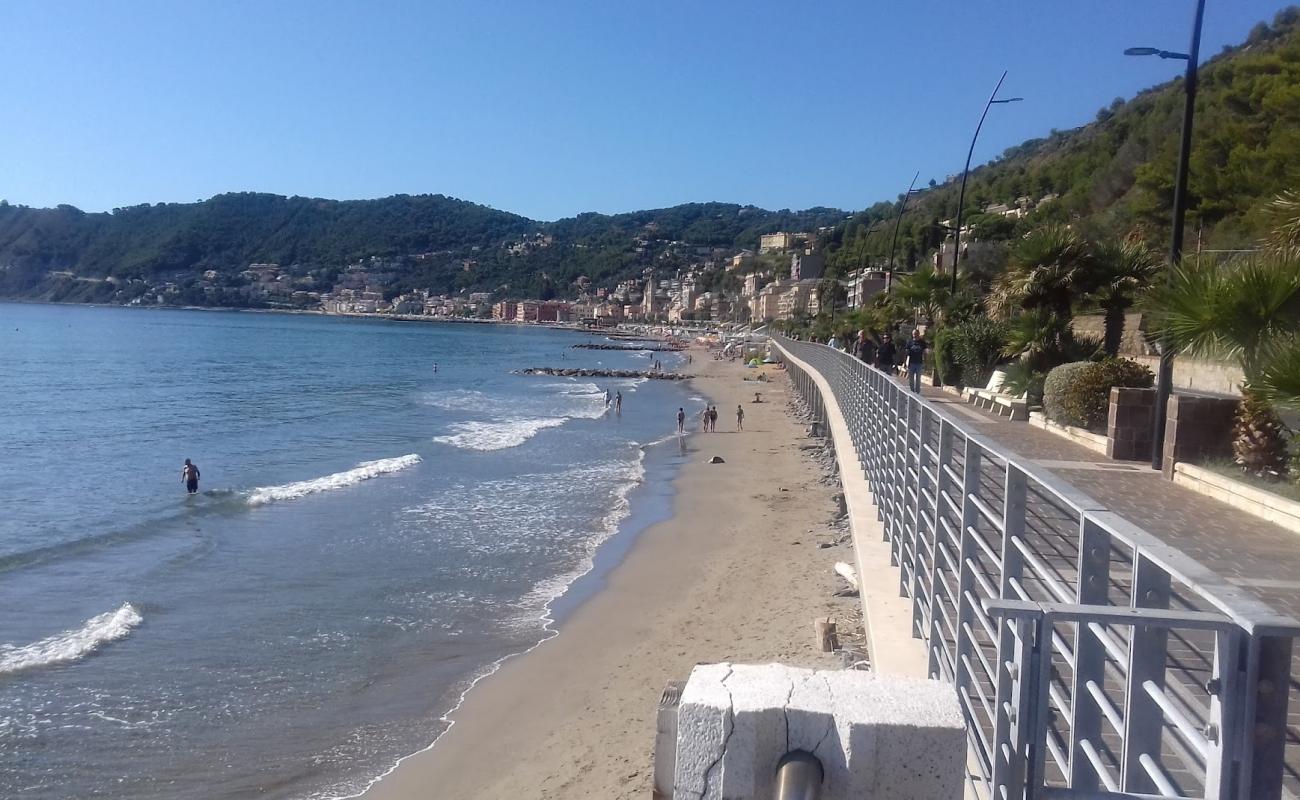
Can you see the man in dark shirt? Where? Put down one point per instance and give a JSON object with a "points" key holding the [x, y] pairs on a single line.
{"points": [[886, 354], [914, 352], [190, 477], [865, 348]]}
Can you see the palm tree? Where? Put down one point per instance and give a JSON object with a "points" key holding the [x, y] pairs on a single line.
{"points": [[1049, 269], [1247, 311], [922, 294], [1120, 270]]}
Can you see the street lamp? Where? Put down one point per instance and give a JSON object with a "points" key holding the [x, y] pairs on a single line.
{"points": [[893, 246], [961, 196], [1165, 373]]}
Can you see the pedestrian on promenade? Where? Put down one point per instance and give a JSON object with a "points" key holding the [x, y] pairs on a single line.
{"points": [[833, 343], [740, 418], [681, 421], [886, 354], [865, 349], [914, 351]]}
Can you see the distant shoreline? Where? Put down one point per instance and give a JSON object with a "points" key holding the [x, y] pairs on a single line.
{"points": [[389, 317]]}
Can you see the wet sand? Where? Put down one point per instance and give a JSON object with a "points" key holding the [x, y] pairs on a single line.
{"points": [[734, 575]]}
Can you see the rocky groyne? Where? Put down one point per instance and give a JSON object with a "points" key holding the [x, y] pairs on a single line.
{"points": [[582, 372]]}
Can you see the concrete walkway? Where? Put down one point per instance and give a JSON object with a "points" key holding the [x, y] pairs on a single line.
{"points": [[1246, 550]]}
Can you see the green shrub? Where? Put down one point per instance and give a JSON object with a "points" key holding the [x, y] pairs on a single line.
{"points": [[1055, 387], [977, 345], [945, 362], [1089, 398], [1024, 379], [1081, 397]]}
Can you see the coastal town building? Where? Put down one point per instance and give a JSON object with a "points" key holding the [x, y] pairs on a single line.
{"points": [[807, 265], [505, 310], [864, 284]]}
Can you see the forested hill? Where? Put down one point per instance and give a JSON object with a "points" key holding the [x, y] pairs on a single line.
{"points": [[1115, 175], [1112, 176], [438, 242]]}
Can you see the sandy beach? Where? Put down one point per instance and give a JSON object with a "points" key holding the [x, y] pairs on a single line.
{"points": [[735, 574]]}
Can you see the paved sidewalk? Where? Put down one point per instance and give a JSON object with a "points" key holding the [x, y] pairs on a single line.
{"points": [[1244, 549]]}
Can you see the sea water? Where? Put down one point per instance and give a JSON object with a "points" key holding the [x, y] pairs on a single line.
{"points": [[386, 511]]}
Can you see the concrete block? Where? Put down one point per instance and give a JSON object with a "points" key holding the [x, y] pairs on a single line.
{"points": [[876, 736]]}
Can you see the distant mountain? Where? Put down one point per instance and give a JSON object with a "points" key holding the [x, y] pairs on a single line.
{"points": [[1111, 176], [437, 242]]}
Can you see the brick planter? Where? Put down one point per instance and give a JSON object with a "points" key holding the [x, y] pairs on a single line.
{"points": [[1128, 427], [1199, 427]]}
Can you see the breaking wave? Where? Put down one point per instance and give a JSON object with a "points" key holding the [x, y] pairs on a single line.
{"points": [[361, 472], [71, 645], [497, 435]]}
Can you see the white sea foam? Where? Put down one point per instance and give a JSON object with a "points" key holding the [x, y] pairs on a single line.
{"points": [[361, 472], [70, 645], [497, 435]]}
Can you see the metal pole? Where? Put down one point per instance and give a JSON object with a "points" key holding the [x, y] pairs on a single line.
{"points": [[961, 196], [893, 246], [798, 776], [1165, 373]]}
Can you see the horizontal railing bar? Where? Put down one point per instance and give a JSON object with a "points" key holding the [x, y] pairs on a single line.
{"points": [[994, 519], [1098, 765], [1158, 776], [979, 690], [1057, 752], [1117, 651], [1063, 647], [988, 551], [984, 750], [1182, 725], [1042, 572], [1058, 697], [1064, 793], [1107, 707], [979, 653], [979, 614]]}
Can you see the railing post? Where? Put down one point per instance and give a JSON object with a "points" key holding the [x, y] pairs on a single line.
{"points": [[1268, 683], [1147, 653], [965, 644], [1010, 733], [1089, 664], [1225, 714], [911, 560]]}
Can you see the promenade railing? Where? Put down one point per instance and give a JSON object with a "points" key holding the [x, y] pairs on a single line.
{"points": [[1091, 659]]}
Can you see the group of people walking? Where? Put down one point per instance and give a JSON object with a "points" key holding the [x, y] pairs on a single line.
{"points": [[709, 419], [885, 354]]}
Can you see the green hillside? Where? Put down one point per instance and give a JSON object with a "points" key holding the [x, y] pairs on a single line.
{"points": [[1115, 175], [1112, 176]]}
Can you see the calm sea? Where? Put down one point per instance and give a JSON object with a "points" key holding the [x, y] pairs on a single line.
{"points": [[371, 535]]}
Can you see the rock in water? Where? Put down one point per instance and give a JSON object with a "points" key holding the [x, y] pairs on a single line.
{"points": [[717, 460]]}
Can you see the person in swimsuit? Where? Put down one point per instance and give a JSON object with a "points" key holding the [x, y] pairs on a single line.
{"points": [[190, 477]]}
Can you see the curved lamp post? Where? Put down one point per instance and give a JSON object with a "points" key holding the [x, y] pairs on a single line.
{"points": [[1165, 374], [961, 196], [893, 246]]}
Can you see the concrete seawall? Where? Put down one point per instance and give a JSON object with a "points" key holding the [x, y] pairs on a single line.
{"points": [[888, 616]]}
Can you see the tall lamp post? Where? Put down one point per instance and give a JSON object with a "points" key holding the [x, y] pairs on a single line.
{"points": [[1165, 373], [893, 246], [961, 196]]}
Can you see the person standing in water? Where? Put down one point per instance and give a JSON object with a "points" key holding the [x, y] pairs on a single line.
{"points": [[190, 477], [740, 418], [618, 403], [606, 398], [681, 421]]}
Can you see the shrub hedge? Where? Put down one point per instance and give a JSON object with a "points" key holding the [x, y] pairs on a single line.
{"points": [[1078, 393]]}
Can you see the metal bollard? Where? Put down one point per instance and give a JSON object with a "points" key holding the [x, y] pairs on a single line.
{"points": [[798, 776]]}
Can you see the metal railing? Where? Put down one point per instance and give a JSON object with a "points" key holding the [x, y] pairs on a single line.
{"points": [[1090, 659]]}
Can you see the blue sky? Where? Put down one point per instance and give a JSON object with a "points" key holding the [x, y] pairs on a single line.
{"points": [[551, 109]]}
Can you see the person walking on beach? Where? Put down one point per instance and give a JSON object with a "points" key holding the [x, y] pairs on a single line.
{"points": [[740, 418], [886, 354], [704, 419], [914, 351], [713, 419], [681, 421], [190, 477]]}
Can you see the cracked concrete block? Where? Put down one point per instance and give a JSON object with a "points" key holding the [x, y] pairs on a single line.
{"points": [[876, 736]]}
